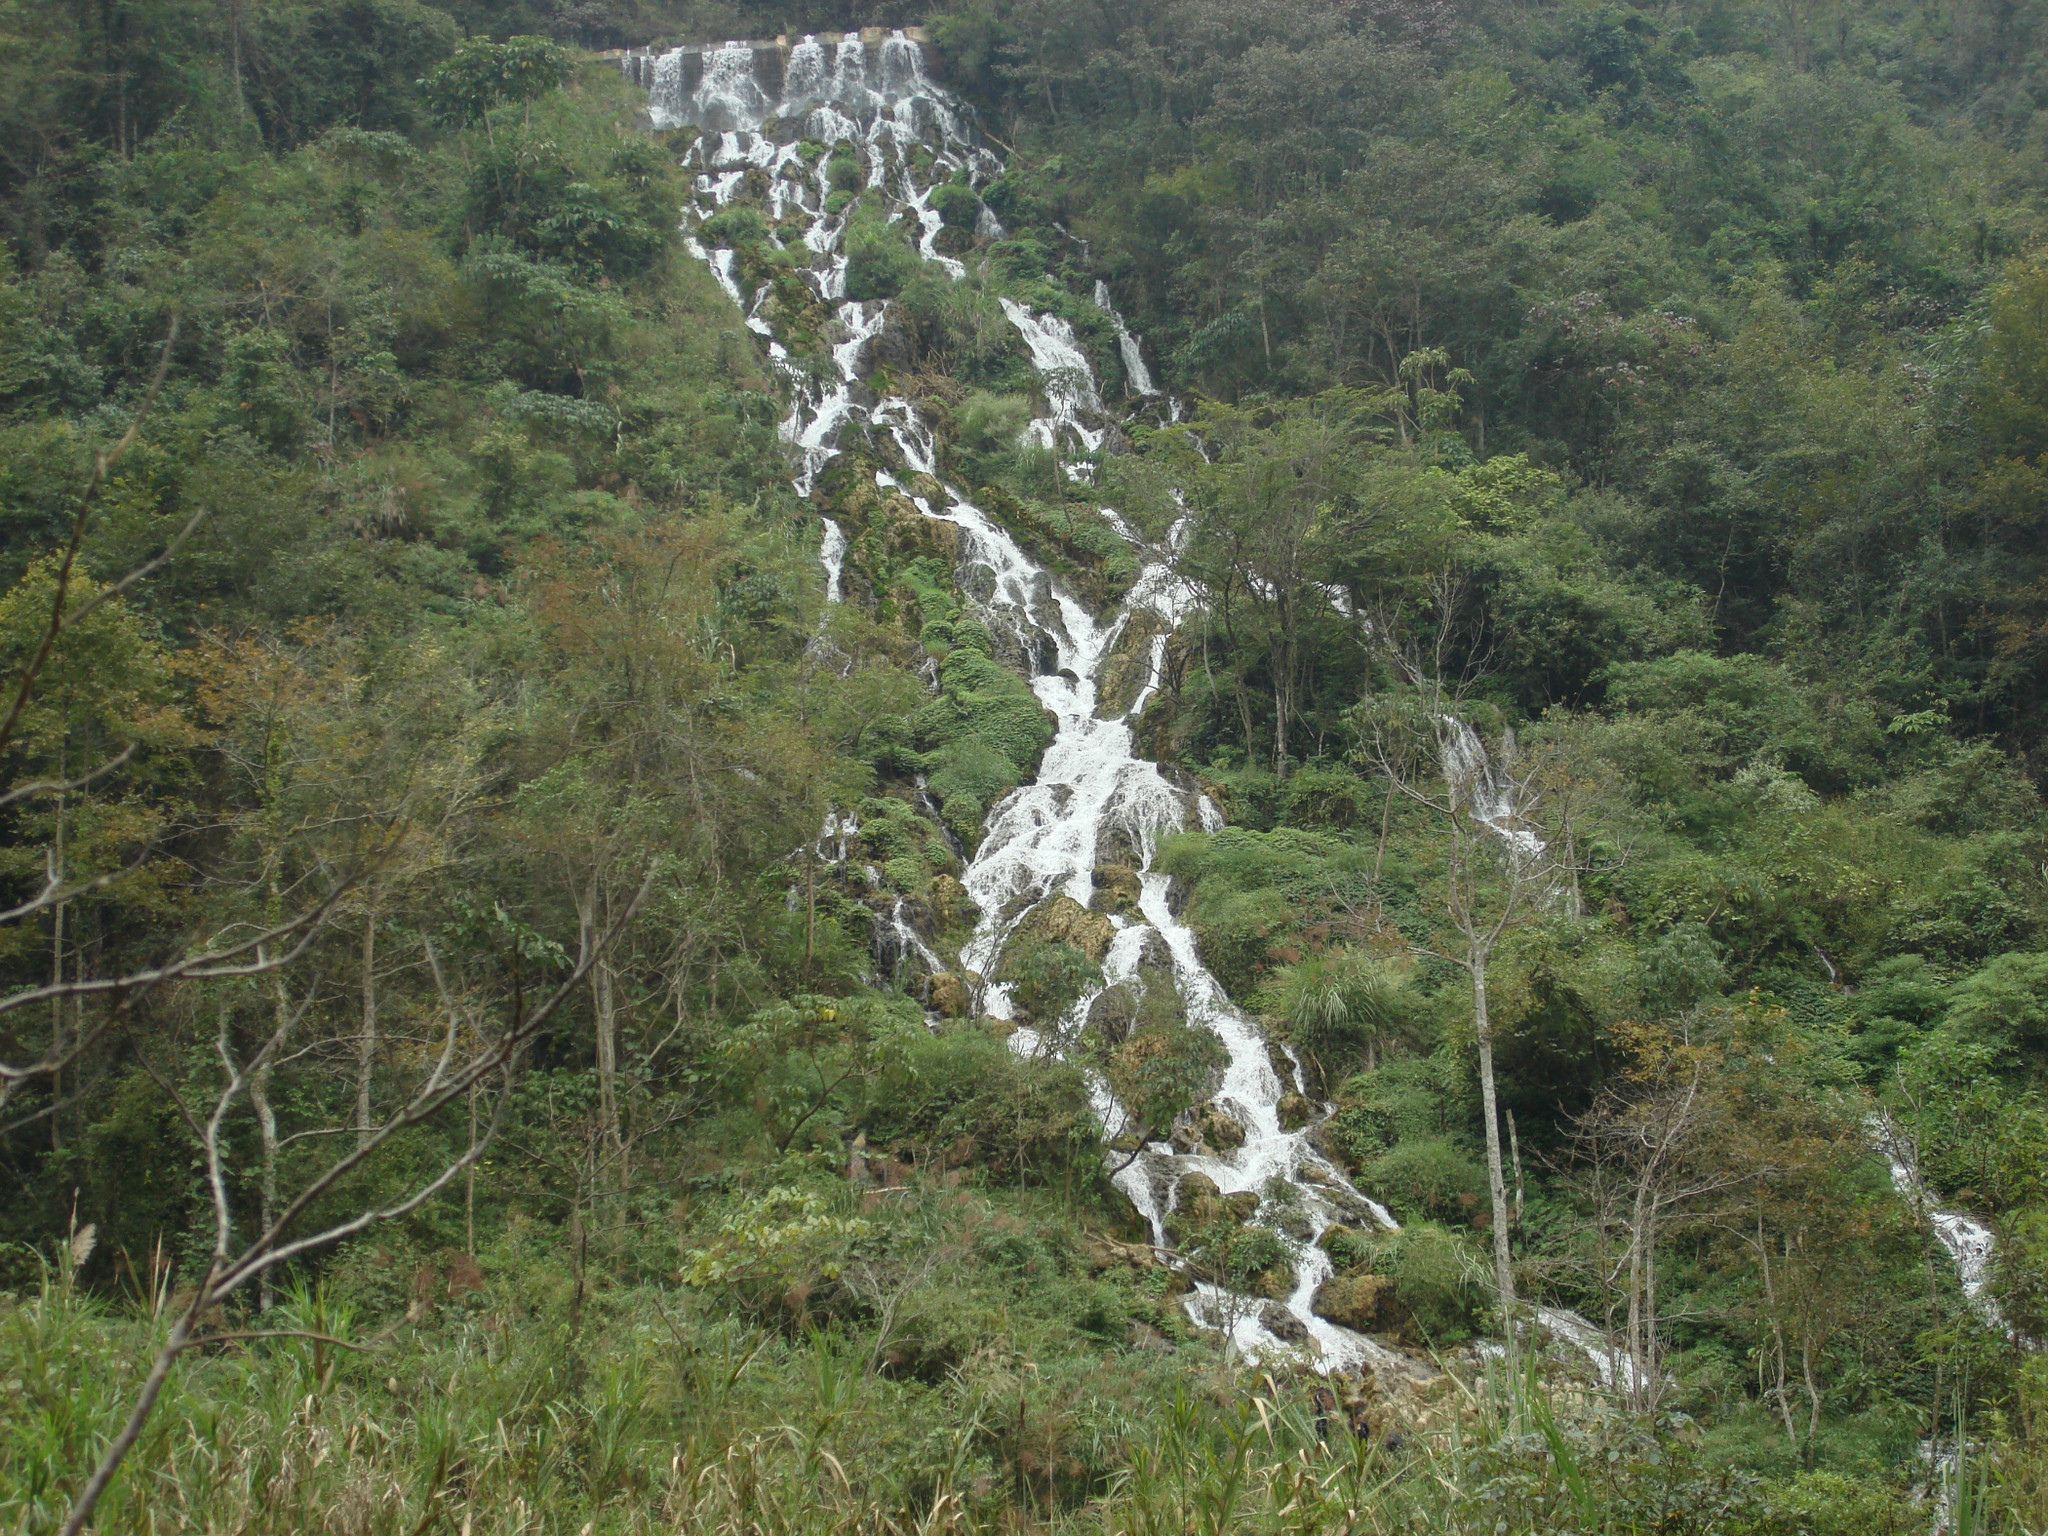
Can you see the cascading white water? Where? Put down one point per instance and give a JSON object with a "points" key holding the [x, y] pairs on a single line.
{"points": [[1135, 371], [1490, 792], [1972, 1245], [1043, 839], [1069, 380]]}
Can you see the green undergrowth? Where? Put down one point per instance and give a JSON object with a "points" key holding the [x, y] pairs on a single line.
{"points": [[551, 1402]]}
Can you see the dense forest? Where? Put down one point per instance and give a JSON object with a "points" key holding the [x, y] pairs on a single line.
{"points": [[1190, 767]]}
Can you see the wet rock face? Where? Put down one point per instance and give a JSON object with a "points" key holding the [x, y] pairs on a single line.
{"points": [[1208, 1129], [1295, 1111], [1116, 892], [1282, 1324], [1128, 667]]}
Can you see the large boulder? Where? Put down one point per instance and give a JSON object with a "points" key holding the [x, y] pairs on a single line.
{"points": [[1205, 1128], [948, 995], [1282, 1324], [1362, 1303], [1064, 920]]}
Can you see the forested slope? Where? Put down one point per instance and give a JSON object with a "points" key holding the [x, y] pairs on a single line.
{"points": [[1609, 431]]}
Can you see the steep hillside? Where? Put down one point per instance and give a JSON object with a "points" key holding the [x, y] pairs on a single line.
{"points": [[1269, 767]]}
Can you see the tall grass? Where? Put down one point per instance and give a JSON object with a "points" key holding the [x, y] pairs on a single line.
{"points": [[656, 1417]]}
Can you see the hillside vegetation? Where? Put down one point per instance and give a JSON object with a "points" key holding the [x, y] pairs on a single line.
{"points": [[420, 705]]}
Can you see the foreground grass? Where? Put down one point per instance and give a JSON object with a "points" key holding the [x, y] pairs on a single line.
{"points": [[652, 1413]]}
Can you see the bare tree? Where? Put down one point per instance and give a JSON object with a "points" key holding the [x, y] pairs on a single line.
{"points": [[472, 1057], [1496, 869], [1636, 1161]]}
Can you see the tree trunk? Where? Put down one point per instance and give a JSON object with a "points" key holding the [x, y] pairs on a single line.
{"points": [[1639, 1259], [607, 1053], [1496, 1177], [266, 1131], [366, 1041]]}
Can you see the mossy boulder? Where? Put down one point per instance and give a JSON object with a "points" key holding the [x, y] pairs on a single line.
{"points": [[952, 908], [1064, 920], [1295, 1111], [1117, 889], [1275, 1283], [1364, 1303], [1207, 1128], [1128, 666], [948, 994]]}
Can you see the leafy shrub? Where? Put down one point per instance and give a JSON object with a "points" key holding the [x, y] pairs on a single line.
{"points": [[1046, 979], [734, 225], [1438, 1277], [956, 205], [878, 261], [1426, 1177]]}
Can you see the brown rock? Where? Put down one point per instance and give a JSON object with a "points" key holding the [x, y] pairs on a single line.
{"points": [[1218, 1129], [1282, 1324], [1116, 889], [1128, 667], [1295, 1111], [1064, 920], [948, 994], [1241, 1206], [1362, 1303]]}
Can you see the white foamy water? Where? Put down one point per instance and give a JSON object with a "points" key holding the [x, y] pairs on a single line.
{"points": [[1972, 1245], [1133, 355]]}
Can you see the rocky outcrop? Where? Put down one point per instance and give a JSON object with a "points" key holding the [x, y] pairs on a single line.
{"points": [[1116, 890], [1128, 666], [1064, 920], [1282, 1324], [1363, 1303], [1206, 1128], [950, 995]]}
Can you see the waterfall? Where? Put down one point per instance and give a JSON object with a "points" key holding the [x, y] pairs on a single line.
{"points": [[1069, 381], [1134, 358], [1093, 792], [1471, 775], [1969, 1243]]}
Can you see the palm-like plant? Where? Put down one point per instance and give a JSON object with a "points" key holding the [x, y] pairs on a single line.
{"points": [[1340, 1001]]}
